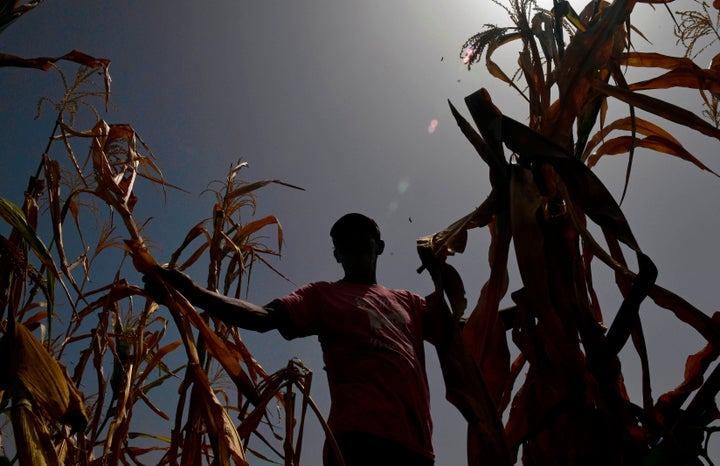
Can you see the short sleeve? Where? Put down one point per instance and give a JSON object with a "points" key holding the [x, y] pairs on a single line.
{"points": [[304, 308]]}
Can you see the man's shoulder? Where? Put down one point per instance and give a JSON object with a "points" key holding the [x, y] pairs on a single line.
{"points": [[403, 294], [315, 285], [400, 291], [331, 287], [312, 290], [319, 285]]}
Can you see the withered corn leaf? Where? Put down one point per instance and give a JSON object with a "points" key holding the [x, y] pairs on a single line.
{"points": [[585, 189], [466, 389], [45, 63], [624, 144], [195, 232], [636, 125], [461, 363], [453, 239], [32, 440], [44, 379], [484, 148], [11, 10], [250, 228], [588, 192], [660, 108], [52, 173], [223, 353], [250, 187], [484, 332], [251, 420], [589, 50], [683, 73], [221, 429], [686, 312], [669, 404]]}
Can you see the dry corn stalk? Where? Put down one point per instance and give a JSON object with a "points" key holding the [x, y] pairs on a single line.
{"points": [[116, 162], [572, 407]]}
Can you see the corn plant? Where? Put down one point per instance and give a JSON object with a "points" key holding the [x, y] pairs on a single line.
{"points": [[572, 407], [67, 295]]}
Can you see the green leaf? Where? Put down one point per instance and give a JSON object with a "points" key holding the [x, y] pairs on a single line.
{"points": [[16, 218]]}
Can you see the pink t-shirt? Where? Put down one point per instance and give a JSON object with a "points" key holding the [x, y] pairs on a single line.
{"points": [[372, 342]]}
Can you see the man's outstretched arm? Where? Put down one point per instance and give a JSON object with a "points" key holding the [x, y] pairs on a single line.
{"points": [[232, 311]]}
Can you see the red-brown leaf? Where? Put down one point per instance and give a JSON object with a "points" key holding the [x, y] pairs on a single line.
{"points": [[669, 404], [660, 108], [623, 144]]}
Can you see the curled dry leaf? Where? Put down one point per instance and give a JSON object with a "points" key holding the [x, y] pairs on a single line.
{"points": [[43, 378], [224, 354], [32, 439], [624, 144], [217, 422], [683, 72], [45, 63]]}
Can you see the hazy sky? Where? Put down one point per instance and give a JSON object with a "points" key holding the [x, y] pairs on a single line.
{"points": [[338, 96]]}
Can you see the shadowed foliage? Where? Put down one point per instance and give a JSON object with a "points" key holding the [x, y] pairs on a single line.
{"points": [[572, 408], [123, 348]]}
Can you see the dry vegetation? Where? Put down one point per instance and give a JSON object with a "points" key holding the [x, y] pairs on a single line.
{"points": [[121, 348], [572, 406], [120, 345]]}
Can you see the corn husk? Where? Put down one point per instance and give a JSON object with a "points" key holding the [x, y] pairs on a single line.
{"points": [[32, 440], [43, 378]]}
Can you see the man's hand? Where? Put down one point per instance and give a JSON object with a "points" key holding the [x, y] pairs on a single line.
{"points": [[438, 324], [432, 263], [445, 278], [156, 279]]}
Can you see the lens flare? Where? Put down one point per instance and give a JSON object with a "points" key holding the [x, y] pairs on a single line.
{"points": [[432, 126], [468, 55]]}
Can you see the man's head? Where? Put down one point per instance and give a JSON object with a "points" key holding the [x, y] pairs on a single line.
{"points": [[352, 226], [357, 243]]}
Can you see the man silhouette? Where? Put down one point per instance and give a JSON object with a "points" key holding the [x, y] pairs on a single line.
{"points": [[372, 342]]}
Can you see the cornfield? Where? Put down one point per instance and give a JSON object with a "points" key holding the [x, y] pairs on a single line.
{"points": [[571, 406]]}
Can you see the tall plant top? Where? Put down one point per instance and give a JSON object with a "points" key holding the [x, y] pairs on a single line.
{"points": [[572, 407], [572, 66]]}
